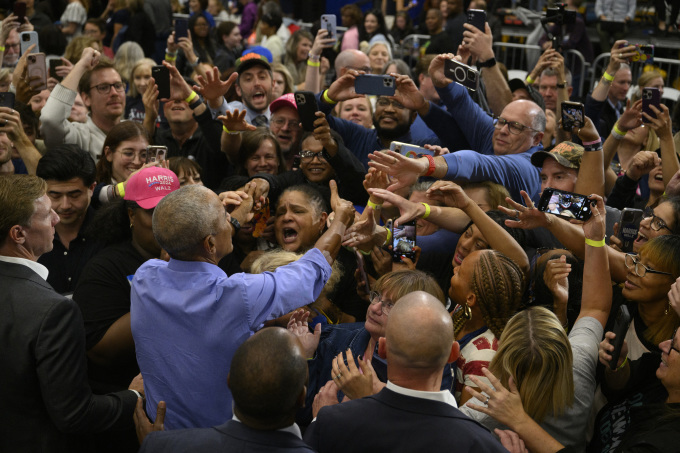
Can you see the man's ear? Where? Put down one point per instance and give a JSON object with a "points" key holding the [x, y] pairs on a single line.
{"points": [[86, 99], [455, 352], [209, 244], [569, 90], [537, 138], [382, 347], [17, 234], [300, 402], [238, 89]]}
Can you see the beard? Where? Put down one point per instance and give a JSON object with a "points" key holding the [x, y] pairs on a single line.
{"points": [[393, 133]]}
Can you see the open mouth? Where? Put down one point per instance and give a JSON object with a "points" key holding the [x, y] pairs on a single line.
{"points": [[316, 170], [179, 108], [458, 258], [289, 235], [641, 239], [259, 96]]}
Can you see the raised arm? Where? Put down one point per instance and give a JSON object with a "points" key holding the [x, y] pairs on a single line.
{"points": [[313, 79], [499, 239], [330, 242], [591, 172], [662, 126]]}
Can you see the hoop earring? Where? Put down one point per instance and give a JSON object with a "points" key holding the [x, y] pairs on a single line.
{"points": [[461, 315]]}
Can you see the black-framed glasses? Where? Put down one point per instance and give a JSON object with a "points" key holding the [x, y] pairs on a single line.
{"points": [[308, 156], [656, 223], [633, 262], [105, 88], [384, 102], [385, 305], [673, 348], [514, 127], [293, 125]]}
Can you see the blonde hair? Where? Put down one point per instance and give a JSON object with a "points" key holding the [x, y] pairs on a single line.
{"points": [[495, 193], [274, 259], [75, 48], [402, 282], [133, 89], [642, 81], [127, 55], [534, 350]]}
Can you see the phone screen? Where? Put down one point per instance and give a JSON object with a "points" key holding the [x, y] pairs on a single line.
{"points": [[565, 204], [156, 154], [404, 241], [572, 115]]}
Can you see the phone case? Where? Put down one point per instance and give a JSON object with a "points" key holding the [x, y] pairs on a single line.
{"points": [[645, 54], [20, 11], [629, 225], [403, 241], [477, 17], [379, 85], [7, 100], [462, 74], [307, 108], [329, 22], [161, 75], [35, 65], [54, 63], [620, 327], [409, 150], [181, 29], [650, 96], [26, 39]]}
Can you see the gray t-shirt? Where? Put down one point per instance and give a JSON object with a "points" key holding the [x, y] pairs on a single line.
{"points": [[570, 428]]}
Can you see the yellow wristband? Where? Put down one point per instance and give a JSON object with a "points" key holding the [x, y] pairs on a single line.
{"points": [[592, 243], [2, 48], [327, 99], [608, 77], [191, 97], [389, 236], [364, 253], [224, 128], [316, 64], [121, 189], [169, 57], [373, 206], [617, 130], [427, 211], [529, 80], [622, 364]]}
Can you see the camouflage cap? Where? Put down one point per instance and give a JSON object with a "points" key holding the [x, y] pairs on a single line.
{"points": [[567, 154]]}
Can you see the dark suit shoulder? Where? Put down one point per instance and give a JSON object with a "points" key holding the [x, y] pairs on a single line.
{"points": [[231, 436]]}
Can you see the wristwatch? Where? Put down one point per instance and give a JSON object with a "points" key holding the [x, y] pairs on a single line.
{"points": [[236, 224], [490, 63]]}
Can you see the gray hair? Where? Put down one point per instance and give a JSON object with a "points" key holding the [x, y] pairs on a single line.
{"points": [[184, 218], [420, 186], [539, 119], [553, 72]]}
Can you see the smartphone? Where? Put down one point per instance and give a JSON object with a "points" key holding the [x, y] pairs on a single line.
{"points": [[403, 241], [156, 154], [36, 67], [329, 22], [462, 74], [645, 54], [409, 150], [650, 96], [629, 225], [260, 218], [54, 63], [307, 108], [161, 75], [20, 12], [565, 204], [362, 269], [572, 115], [181, 29], [477, 17], [380, 85], [7, 99], [620, 328], [28, 38]]}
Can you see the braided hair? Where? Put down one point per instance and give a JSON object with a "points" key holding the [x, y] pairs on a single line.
{"points": [[498, 284]]}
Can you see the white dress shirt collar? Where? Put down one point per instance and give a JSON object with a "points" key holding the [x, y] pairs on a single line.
{"points": [[36, 267]]}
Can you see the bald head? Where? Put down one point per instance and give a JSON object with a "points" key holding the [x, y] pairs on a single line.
{"points": [[267, 378], [351, 59], [419, 334]]}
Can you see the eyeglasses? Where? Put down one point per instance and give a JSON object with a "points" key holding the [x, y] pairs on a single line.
{"points": [[386, 306], [130, 155], [384, 102], [656, 223], [673, 348], [105, 88], [514, 127], [308, 156], [632, 262], [293, 125], [366, 69]]}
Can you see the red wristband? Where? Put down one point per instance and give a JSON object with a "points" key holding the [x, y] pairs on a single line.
{"points": [[431, 168], [594, 142]]}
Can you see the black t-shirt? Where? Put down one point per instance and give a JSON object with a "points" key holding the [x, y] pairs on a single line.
{"points": [[103, 295]]}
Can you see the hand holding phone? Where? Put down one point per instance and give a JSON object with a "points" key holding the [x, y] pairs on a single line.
{"points": [[621, 325], [329, 22], [161, 76], [573, 115], [307, 108], [477, 18], [404, 241], [650, 96], [181, 29], [379, 85], [565, 204]]}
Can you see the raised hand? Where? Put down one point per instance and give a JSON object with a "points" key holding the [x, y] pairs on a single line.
{"points": [[606, 348], [365, 233], [343, 88], [322, 133], [298, 326], [595, 227], [526, 217], [662, 124], [555, 276], [355, 382], [327, 396], [478, 42], [236, 121], [642, 163], [150, 98], [408, 210], [587, 133], [436, 70], [211, 87], [404, 169], [449, 193], [343, 209], [179, 89], [407, 93]]}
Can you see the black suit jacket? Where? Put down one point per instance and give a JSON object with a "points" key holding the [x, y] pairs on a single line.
{"points": [[44, 394], [232, 436], [389, 421]]}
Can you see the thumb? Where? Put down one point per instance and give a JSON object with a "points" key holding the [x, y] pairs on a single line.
{"points": [[334, 189], [317, 330], [563, 259]]}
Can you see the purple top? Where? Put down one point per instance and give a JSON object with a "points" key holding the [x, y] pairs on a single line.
{"points": [[248, 19]]}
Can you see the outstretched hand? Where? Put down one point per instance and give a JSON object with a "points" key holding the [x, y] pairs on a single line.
{"points": [[449, 193], [298, 325], [404, 169], [211, 87], [236, 121], [526, 217]]}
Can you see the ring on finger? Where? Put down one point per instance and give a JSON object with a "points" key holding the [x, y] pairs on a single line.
{"points": [[487, 400], [516, 214]]}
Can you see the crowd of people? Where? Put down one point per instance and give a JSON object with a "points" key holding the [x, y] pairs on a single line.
{"points": [[213, 237]]}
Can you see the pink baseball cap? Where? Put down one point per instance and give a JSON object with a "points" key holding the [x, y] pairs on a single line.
{"points": [[150, 185], [287, 100]]}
